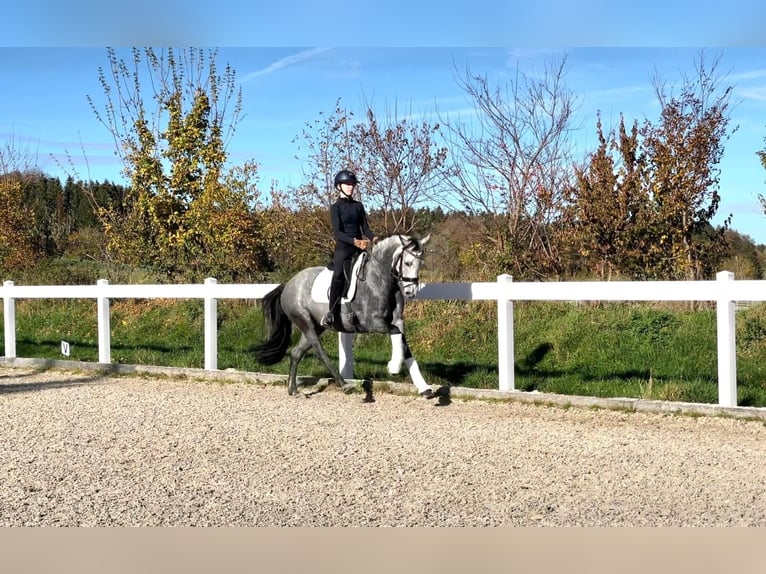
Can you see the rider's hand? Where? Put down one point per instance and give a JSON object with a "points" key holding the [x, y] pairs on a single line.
{"points": [[361, 243]]}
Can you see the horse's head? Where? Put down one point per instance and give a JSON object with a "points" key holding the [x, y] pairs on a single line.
{"points": [[406, 262]]}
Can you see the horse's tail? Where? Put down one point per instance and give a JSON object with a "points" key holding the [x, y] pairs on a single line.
{"points": [[280, 329]]}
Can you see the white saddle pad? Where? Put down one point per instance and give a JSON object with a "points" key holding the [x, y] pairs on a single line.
{"points": [[320, 290]]}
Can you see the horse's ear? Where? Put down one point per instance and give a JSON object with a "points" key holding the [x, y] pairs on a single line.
{"points": [[425, 240]]}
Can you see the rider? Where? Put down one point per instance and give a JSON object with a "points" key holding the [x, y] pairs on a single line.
{"points": [[352, 234]]}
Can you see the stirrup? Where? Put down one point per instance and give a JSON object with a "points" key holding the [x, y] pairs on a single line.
{"points": [[328, 319]]}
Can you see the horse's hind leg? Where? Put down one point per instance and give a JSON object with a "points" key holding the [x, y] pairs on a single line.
{"points": [[296, 354], [312, 340]]}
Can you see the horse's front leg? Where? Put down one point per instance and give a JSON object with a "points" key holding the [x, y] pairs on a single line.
{"points": [[397, 353], [400, 352], [396, 331], [412, 366]]}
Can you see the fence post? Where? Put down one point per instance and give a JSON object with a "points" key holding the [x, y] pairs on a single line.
{"points": [[346, 355], [104, 329], [727, 349], [505, 334], [211, 327], [9, 322]]}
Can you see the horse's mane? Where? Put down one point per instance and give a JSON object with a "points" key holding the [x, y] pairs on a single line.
{"points": [[409, 241]]}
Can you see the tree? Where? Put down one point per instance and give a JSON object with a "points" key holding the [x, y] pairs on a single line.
{"points": [[324, 147], [513, 162], [17, 248], [606, 208], [17, 219], [684, 149], [762, 156], [402, 164], [398, 162], [743, 258], [185, 212]]}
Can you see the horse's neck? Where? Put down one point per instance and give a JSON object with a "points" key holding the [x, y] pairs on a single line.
{"points": [[379, 265]]}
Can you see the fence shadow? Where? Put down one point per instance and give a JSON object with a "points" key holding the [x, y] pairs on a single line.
{"points": [[25, 346], [14, 383]]}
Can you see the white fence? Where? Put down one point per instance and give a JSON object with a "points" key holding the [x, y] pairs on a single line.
{"points": [[725, 291]]}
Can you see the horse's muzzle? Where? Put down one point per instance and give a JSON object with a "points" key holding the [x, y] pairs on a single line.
{"points": [[410, 290]]}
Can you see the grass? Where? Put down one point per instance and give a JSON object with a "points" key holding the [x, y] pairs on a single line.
{"points": [[655, 351]]}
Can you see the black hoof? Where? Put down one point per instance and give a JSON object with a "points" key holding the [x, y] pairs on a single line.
{"points": [[428, 394], [367, 388]]}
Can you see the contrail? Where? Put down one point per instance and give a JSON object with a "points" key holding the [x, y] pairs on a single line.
{"points": [[285, 62]]}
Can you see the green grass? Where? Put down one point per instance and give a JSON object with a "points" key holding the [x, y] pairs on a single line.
{"points": [[655, 351]]}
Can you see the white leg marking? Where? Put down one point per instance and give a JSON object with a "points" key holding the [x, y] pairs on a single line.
{"points": [[417, 378], [397, 354]]}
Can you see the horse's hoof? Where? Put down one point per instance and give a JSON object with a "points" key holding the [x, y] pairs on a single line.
{"points": [[428, 394], [367, 388], [348, 388]]}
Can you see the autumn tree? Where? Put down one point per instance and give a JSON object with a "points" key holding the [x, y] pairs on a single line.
{"points": [[744, 258], [186, 214], [17, 249], [512, 162], [607, 208], [684, 149], [17, 219]]}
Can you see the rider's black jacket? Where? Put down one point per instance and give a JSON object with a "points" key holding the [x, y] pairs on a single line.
{"points": [[349, 222]]}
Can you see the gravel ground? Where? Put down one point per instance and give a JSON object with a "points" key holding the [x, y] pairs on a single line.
{"points": [[85, 449]]}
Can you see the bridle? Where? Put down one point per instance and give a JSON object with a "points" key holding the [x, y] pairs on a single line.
{"points": [[397, 266]]}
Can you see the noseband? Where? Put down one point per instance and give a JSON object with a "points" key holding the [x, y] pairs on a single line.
{"points": [[397, 271]]}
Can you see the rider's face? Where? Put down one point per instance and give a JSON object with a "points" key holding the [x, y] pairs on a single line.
{"points": [[347, 188]]}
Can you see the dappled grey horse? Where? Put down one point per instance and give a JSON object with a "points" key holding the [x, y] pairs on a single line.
{"points": [[389, 276]]}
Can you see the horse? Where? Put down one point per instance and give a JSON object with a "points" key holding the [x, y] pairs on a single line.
{"points": [[389, 276]]}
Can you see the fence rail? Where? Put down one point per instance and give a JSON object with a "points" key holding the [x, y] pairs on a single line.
{"points": [[724, 291]]}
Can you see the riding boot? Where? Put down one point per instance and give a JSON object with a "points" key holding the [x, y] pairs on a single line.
{"points": [[336, 289], [329, 318]]}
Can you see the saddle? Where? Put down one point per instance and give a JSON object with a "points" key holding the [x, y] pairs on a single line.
{"points": [[354, 270]]}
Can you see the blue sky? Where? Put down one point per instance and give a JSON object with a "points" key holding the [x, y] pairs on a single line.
{"points": [[294, 61]]}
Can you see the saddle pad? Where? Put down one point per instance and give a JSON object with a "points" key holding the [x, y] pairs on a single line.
{"points": [[320, 290]]}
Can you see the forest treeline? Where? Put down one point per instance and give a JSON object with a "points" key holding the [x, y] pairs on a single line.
{"points": [[59, 222], [503, 194]]}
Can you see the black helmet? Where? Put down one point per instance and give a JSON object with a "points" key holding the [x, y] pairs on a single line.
{"points": [[345, 176]]}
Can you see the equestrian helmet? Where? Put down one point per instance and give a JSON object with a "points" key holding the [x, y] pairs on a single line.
{"points": [[345, 176]]}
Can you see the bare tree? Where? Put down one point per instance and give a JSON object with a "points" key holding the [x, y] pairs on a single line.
{"points": [[17, 156], [398, 161], [403, 165], [512, 162], [325, 147]]}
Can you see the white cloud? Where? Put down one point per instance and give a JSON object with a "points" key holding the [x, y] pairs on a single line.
{"points": [[744, 76], [756, 93]]}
